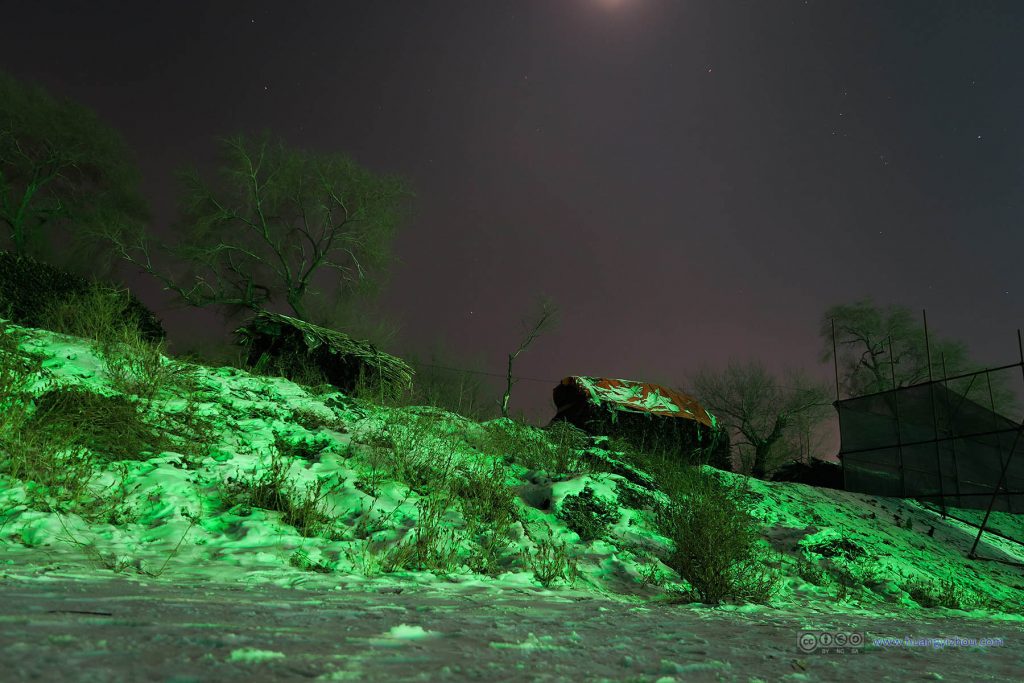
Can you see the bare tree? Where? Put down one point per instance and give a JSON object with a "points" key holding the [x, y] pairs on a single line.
{"points": [[876, 345], [760, 412], [63, 174], [544, 319], [277, 219], [805, 436]]}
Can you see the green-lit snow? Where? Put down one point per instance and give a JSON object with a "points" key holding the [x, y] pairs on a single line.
{"points": [[181, 528]]}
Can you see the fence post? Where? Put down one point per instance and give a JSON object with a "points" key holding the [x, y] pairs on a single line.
{"points": [[899, 427], [935, 419], [1002, 474]]}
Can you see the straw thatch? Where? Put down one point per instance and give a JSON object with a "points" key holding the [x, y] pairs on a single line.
{"points": [[290, 345]]}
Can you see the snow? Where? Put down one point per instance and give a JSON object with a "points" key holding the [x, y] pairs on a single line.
{"points": [[253, 415]]}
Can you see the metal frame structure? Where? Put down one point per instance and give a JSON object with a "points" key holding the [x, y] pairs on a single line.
{"points": [[998, 487]]}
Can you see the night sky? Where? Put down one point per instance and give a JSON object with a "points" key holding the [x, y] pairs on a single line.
{"points": [[689, 181]]}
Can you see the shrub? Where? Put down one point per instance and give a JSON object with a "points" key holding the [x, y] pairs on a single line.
{"points": [[308, 449], [588, 515], [98, 314], [406, 450], [51, 456], [715, 541], [57, 469], [304, 512], [193, 434], [372, 388], [632, 496], [515, 442], [649, 568], [298, 365], [17, 375], [550, 561], [669, 473], [364, 557], [556, 450], [30, 289], [365, 523], [483, 492], [114, 508], [312, 421], [116, 325], [488, 505], [843, 547]]}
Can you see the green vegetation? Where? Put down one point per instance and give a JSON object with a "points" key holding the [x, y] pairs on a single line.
{"points": [[269, 488], [557, 450], [810, 571], [551, 561], [430, 546], [330, 483], [242, 244], [113, 427], [944, 593], [717, 543], [64, 177], [588, 515], [488, 506]]}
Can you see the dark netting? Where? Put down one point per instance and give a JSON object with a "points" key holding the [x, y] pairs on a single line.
{"points": [[945, 442]]}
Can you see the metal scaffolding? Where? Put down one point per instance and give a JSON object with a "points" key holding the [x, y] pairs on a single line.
{"points": [[929, 441]]}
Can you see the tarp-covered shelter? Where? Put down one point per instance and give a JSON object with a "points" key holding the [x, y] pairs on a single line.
{"points": [[289, 343], [928, 441], [647, 415]]}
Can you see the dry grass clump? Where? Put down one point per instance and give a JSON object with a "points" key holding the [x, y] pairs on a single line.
{"points": [[430, 545], [134, 365], [52, 460], [419, 450], [412, 448], [98, 314], [112, 427], [269, 488], [945, 593], [550, 561], [557, 450]]}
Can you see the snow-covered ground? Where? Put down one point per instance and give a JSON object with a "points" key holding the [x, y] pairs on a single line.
{"points": [[841, 555]]}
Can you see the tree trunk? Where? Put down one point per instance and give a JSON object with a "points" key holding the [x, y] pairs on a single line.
{"points": [[508, 386], [760, 460], [763, 447], [295, 302]]}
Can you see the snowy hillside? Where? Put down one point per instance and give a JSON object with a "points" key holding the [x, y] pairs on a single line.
{"points": [[217, 474]]}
